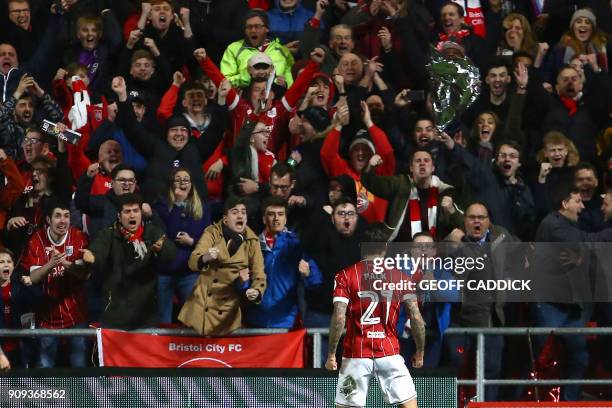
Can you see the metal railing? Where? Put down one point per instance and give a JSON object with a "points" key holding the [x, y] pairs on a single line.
{"points": [[480, 381]]}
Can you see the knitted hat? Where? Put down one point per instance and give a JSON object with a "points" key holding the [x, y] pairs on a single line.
{"points": [[317, 117], [583, 13], [362, 140], [177, 120]]}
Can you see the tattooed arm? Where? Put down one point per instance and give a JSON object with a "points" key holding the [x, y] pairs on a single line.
{"points": [[336, 328], [417, 327]]}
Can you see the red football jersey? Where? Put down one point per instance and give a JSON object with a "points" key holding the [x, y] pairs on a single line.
{"points": [[374, 301], [65, 293]]}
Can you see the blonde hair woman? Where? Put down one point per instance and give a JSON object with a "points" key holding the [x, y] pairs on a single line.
{"points": [[185, 218]]}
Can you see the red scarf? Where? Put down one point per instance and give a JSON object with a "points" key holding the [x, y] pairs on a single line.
{"points": [[270, 239], [135, 238], [570, 104], [454, 37], [132, 236], [414, 209]]}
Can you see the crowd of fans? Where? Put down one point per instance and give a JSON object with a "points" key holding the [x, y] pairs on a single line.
{"points": [[232, 152]]}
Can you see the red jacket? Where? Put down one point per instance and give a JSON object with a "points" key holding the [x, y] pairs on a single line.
{"points": [[334, 165], [11, 191]]}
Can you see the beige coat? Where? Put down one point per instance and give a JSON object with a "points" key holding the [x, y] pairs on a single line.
{"points": [[213, 309]]}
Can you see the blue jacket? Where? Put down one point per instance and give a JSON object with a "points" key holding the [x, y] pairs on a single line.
{"points": [[288, 26], [175, 221], [107, 131], [279, 306]]}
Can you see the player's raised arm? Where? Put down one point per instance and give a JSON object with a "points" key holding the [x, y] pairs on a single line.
{"points": [[336, 328], [417, 327]]}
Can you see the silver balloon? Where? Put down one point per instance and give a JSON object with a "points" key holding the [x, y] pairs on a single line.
{"points": [[455, 85]]}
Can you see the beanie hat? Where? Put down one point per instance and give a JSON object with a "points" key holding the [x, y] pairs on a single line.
{"points": [[317, 117], [362, 140], [178, 120], [583, 13]]}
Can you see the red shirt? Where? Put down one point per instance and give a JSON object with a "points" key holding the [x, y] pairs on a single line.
{"points": [[373, 310], [66, 304]]}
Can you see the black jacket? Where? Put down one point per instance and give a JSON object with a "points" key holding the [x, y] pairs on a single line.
{"points": [[162, 157], [129, 284]]}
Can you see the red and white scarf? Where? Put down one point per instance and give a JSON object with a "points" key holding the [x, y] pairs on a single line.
{"points": [[135, 238], [414, 208]]}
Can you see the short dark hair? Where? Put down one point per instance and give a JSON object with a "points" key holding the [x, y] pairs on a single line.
{"points": [[192, 86], [274, 201], [53, 202], [232, 202], [343, 200], [129, 199], [563, 193], [496, 62], [585, 166], [256, 12], [281, 169], [521, 53], [8, 252], [510, 143], [121, 167], [418, 151], [374, 239]]}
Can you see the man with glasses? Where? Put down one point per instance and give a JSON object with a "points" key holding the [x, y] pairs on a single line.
{"points": [[234, 64], [499, 186], [34, 145], [337, 247], [481, 239]]}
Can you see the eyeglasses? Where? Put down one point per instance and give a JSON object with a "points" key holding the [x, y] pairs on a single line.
{"points": [[254, 26], [343, 214], [506, 155], [30, 141], [182, 180], [476, 217], [125, 181], [280, 187]]}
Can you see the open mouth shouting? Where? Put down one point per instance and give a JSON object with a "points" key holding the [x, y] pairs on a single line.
{"points": [[5, 273], [485, 133]]}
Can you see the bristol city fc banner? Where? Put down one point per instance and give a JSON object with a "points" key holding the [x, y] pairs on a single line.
{"points": [[123, 349]]}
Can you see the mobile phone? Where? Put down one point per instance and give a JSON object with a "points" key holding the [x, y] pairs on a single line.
{"points": [[415, 96]]}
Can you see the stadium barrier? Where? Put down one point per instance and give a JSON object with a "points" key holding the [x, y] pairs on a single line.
{"points": [[317, 333]]}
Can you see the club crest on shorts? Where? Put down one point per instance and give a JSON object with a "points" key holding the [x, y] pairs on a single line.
{"points": [[349, 386]]}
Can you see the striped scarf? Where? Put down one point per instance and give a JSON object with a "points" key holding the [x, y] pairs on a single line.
{"points": [[414, 208]]}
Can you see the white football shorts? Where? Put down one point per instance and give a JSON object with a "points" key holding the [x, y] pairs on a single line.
{"points": [[395, 380]]}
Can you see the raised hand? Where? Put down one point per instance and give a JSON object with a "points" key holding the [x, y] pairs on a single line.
{"points": [[118, 86]]}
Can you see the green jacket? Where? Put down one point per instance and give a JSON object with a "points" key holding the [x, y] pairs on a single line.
{"points": [[396, 190], [237, 54]]}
